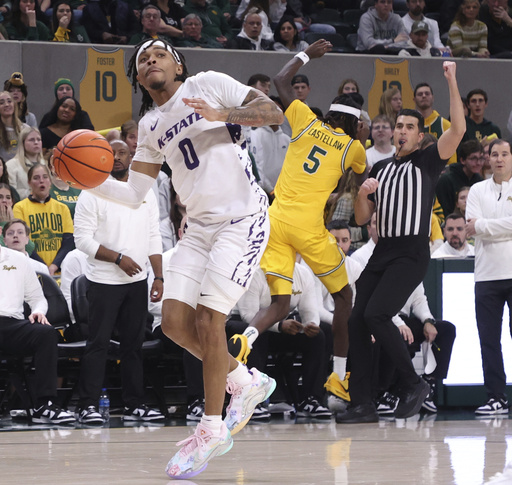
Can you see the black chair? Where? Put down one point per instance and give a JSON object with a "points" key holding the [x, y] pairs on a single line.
{"points": [[352, 40], [339, 44], [352, 17], [329, 16]]}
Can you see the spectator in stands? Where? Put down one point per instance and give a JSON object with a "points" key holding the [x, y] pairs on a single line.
{"points": [[415, 14], [301, 87], [63, 192], [30, 152], [117, 291], [261, 82], [6, 199], [33, 336], [418, 43], [150, 19], [348, 86], [465, 173], [455, 245], [468, 36], [390, 103], [496, 15], [16, 234], [263, 8], [435, 124], [382, 133], [17, 87], [129, 134], [477, 126], [23, 24], [250, 37], [380, 30], [488, 215], [460, 205], [109, 21], [50, 221], [171, 13], [64, 118], [64, 27], [10, 126], [486, 168], [215, 24], [193, 36], [287, 37], [64, 88]]}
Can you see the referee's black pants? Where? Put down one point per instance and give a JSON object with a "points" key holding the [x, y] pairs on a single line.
{"points": [[490, 299], [126, 305], [396, 268]]}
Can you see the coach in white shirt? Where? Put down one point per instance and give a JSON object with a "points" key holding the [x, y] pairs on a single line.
{"points": [[119, 243], [489, 219]]}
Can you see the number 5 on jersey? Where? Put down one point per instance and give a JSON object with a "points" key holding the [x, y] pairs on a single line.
{"points": [[312, 157]]}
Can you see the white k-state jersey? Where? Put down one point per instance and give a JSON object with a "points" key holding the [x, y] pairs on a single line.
{"points": [[211, 168]]}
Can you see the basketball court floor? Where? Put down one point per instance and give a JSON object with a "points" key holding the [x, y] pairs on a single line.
{"points": [[451, 448]]}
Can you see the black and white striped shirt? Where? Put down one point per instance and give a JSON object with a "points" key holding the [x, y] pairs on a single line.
{"points": [[406, 192]]}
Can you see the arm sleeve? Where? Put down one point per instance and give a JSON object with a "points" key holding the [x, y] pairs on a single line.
{"points": [[129, 193], [155, 238], [419, 304], [365, 33], [455, 37], [67, 245]]}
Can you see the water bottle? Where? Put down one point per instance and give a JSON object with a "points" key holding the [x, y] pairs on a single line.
{"points": [[104, 408]]}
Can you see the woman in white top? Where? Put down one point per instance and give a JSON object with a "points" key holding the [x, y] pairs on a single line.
{"points": [[30, 152], [286, 37], [10, 125]]}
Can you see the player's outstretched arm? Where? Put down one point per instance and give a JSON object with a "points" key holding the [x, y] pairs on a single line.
{"points": [[283, 79], [131, 193], [257, 110], [450, 139]]}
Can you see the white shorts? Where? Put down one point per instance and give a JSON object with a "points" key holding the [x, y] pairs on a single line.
{"points": [[213, 264]]}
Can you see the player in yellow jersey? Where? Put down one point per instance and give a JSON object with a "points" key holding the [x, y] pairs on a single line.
{"points": [[320, 152]]}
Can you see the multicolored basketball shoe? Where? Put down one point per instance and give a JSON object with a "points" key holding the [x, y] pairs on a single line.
{"points": [[197, 450], [239, 347], [244, 399]]}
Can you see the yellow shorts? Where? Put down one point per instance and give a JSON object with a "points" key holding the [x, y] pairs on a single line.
{"points": [[319, 250]]}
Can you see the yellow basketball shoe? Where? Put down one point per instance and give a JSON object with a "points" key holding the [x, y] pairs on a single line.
{"points": [[336, 386], [239, 348]]}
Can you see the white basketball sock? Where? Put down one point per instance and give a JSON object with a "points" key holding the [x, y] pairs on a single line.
{"points": [[213, 423], [340, 367], [240, 375]]}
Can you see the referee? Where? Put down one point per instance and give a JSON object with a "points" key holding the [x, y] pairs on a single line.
{"points": [[401, 191]]}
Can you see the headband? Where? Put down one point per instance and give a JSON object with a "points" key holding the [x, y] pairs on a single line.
{"points": [[342, 108], [158, 43]]}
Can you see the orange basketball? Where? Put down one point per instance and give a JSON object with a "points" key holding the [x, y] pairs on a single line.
{"points": [[83, 159]]}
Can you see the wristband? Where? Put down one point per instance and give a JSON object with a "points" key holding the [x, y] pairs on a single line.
{"points": [[303, 57], [118, 260], [159, 278]]}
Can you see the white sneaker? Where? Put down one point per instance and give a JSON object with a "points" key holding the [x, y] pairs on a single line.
{"points": [[197, 450], [51, 413], [142, 413], [493, 406], [244, 399]]}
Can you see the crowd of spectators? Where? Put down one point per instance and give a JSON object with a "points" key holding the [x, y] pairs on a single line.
{"points": [[468, 28]]}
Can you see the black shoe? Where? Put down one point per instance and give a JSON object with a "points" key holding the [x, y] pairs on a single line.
{"points": [[410, 403], [362, 413]]}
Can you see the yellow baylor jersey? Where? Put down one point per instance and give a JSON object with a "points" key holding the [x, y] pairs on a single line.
{"points": [[317, 157]]}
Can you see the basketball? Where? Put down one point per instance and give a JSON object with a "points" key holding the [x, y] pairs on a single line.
{"points": [[83, 159]]}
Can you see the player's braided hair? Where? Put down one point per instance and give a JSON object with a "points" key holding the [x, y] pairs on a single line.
{"points": [[147, 100], [346, 121]]}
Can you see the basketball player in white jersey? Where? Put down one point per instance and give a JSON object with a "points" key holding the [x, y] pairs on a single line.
{"points": [[195, 128]]}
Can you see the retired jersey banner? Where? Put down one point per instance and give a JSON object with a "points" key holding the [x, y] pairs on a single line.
{"points": [[105, 91], [390, 74]]}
